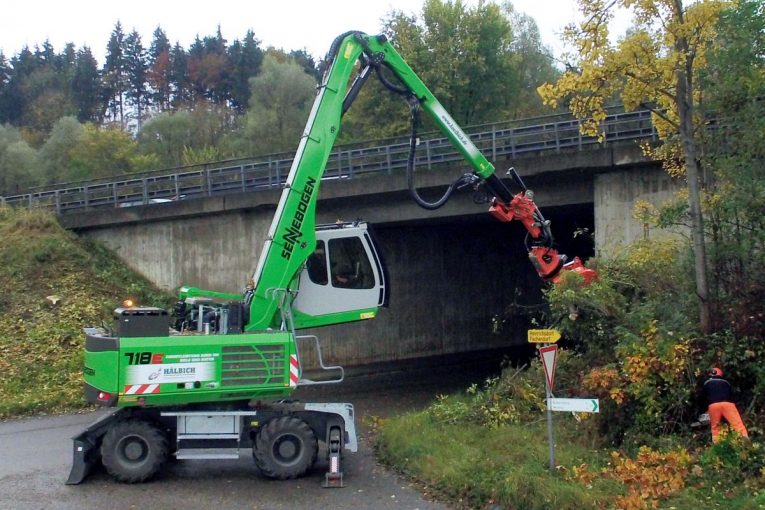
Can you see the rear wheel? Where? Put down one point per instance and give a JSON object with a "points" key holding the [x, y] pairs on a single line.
{"points": [[285, 448], [133, 451]]}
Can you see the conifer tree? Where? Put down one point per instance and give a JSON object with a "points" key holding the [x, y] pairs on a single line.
{"points": [[160, 71], [179, 77], [86, 87], [136, 68], [114, 75]]}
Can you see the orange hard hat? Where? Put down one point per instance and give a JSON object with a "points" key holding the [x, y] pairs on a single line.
{"points": [[716, 372]]}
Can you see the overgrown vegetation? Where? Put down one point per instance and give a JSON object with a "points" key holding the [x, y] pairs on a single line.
{"points": [[54, 284], [487, 448]]}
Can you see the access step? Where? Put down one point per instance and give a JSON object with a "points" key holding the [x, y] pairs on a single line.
{"points": [[207, 453]]}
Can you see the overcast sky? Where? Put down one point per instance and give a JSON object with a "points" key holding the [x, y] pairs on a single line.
{"points": [[286, 24]]}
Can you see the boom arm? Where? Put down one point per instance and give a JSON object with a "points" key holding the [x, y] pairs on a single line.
{"points": [[291, 238]]}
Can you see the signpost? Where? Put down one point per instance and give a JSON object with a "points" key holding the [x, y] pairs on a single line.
{"points": [[549, 355]]}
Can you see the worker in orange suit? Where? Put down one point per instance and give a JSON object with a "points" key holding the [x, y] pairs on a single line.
{"points": [[718, 395]]}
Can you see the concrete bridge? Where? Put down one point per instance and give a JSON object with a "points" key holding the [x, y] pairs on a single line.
{"points": [[451, 270]]}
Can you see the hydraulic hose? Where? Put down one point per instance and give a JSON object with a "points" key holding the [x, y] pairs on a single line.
{"points": [[410, 164], [375, 61]]}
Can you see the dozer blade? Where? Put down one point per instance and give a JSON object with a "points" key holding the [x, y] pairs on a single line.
{"points": [[82, 461], [86, 446]]}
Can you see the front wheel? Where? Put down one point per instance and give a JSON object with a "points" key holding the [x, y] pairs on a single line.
{"points": [[285, 448], [133, 451]]}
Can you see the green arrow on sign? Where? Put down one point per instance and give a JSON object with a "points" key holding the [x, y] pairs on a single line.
{"points": [[594, 406]]}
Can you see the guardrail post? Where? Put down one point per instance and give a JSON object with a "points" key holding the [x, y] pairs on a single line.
{"points": [[145, 191], [427, 154], [208, 182], [30, 201], [86, 190], [277, 176], [241, 176], [387, 158], [493, 143], [2, 201], [177, 188], [114, 194], [350, 165], [557, 137], [58, 202]]}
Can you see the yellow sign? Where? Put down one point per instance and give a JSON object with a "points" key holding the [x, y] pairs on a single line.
{"points": [[543, 336]]}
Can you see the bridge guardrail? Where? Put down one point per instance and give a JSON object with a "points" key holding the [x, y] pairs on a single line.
{"points": [[494, 140]]}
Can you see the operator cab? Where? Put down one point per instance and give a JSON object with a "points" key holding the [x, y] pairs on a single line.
{"points": [[344, 273]]}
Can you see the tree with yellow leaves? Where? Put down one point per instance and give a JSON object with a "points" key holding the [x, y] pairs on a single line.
{"points": [[655, 66]]}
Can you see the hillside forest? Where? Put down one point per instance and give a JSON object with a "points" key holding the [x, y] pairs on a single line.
{"points": [[154, 104]]}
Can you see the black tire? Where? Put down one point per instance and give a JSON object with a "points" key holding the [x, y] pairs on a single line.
{"points": [[133, 451], [285, 448]]}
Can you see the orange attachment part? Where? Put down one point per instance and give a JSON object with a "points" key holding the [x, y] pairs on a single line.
{"points": [[521, 208], [546, 260], [550, 266], [577, 266]]}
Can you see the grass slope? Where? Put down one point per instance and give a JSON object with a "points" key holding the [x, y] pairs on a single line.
{"points": [[41, 343]]}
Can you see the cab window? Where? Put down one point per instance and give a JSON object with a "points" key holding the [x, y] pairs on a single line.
{"points": [[349, 264], [317, 265]]}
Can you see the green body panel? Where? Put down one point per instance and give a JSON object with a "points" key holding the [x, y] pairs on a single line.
{"points": [[302, 320], [187, 369], [102, 370], [190, 292]]}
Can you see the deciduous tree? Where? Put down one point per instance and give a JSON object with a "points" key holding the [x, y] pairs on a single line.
{"points": [[480, 61], [281, 99], [656, 65], [56, 152], [734, 88], [18, 162]]}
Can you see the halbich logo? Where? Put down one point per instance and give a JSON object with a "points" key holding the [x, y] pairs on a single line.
{"points": [[170, 373]]}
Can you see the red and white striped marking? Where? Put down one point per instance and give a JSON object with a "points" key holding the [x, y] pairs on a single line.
{"points": [[294, 371], [334, 464], [141, 389]]}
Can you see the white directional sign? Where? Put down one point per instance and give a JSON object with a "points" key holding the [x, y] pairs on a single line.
{"points": [[574, 405]]}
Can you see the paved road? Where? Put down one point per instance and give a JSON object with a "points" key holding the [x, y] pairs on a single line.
{"points": [[35, 457]]}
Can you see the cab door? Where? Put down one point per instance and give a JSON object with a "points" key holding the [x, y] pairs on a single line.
{"points": [[343, 280]]}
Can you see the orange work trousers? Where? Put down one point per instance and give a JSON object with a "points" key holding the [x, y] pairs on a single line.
{"points": [[726, 410]]}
